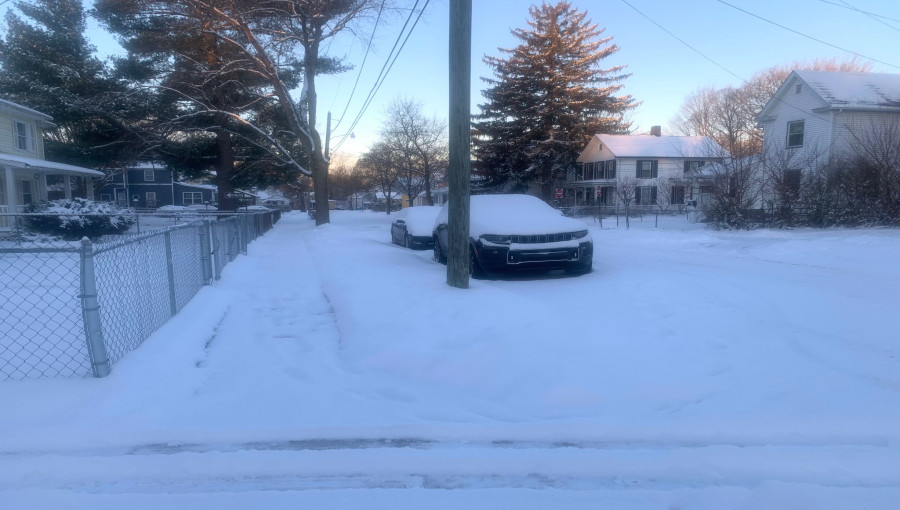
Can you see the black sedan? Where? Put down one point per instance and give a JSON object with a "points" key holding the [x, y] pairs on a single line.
{"points": [[516, 232], [413, 226]]}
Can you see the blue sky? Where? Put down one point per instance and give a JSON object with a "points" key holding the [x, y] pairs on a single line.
{"points": [[663, 70]]}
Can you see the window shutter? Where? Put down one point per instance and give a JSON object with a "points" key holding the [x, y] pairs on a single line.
{"points": [[637, 195], [611, 169], [687, 166], [653, 193], [654, 169]]}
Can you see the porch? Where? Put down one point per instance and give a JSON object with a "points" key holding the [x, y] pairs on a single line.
{"points": [[24, 181]]}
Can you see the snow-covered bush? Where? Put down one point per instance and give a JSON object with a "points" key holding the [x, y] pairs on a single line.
{"points": [[76, 218]]}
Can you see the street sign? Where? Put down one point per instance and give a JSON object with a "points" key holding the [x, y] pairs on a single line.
{"points": [[599, 191], [559, 193]]}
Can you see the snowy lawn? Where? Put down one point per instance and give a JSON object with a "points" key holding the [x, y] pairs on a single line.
{"points": [[690, 369]]}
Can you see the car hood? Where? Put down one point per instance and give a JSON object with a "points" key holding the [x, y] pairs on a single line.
{"points": [[514, 215]]}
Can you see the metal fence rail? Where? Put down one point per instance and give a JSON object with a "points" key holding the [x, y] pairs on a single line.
{"points": [[76, 308]]}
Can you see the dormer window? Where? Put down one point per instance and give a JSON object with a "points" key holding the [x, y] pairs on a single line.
{"points": [[24, 136]]}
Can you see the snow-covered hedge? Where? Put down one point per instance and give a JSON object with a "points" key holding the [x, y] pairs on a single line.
{"points": [[75, 218]]}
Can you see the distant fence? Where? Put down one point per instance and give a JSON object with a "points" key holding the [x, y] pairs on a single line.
{"points": [[76, 308]]}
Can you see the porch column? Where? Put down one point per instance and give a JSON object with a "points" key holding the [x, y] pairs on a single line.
{"points": [[67, 186], [10, 189]]}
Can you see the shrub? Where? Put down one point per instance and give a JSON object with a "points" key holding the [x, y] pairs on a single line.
{"points": [[76, 218]]}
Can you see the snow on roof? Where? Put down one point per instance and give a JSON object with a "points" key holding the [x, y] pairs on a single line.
{"points": [[650, 146], [44, 165], [854, 90], [25, 109]]}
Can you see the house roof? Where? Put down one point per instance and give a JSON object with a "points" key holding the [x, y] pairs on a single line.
{"points": [[854, 90], [41, 165], [651, 146], [24, 109], [193, 185], [840, 90]]}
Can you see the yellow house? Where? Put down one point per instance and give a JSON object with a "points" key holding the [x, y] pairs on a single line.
{"points": [[25, 176]]}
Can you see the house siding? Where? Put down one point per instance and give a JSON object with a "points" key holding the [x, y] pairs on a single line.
{"points": [[817, 134], [852, 128]]}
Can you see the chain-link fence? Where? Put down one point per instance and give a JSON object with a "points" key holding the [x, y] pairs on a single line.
{"points": [[75, 308]]}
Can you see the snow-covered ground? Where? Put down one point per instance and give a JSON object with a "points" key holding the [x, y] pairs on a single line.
{"points": [[332, 369]]}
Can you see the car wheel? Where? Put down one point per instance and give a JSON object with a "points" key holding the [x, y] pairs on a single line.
{"points": [[408, 241], [438, 252]]}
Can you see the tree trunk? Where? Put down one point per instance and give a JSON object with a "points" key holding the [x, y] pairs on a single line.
{"points": [[223, 171]]}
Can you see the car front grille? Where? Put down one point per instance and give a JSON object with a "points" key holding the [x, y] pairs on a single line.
{"points": [[543, 238]]}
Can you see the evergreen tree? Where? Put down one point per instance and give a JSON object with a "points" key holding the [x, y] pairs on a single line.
{"points": [[547, 98], [48, 65]]}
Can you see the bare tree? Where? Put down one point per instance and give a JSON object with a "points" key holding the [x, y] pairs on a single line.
{"points": [[626, 189], [378, 167], [421, 145], [344, 181]]}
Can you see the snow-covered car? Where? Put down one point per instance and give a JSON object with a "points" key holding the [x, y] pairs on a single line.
{"points": [[414, 225], [508, 232]]}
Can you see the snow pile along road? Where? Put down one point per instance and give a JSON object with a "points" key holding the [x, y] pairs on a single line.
{"points": [[690, 369]]}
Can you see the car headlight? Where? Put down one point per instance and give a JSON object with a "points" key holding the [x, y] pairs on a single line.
{"points": [[497, 239], [579, 234]]}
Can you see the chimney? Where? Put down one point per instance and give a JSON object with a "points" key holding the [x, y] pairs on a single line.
{"points": [[656, 130]]}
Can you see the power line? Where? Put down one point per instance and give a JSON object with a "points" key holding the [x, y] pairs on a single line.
{"points": [[361, 66], [383, 76], [682, 41], [806, 36], [867, 13]]}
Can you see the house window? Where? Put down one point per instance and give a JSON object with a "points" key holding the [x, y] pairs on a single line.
{"points": [[797, 89], [792, 183], [645, 195], [149, 176], [611, 169], [151, 199], [193, 197], [693, 165], [676, 196], [795, 133], [647, 169], [24, 134]]}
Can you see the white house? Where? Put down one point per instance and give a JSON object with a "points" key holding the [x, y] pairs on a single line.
{"points": [[816, 116], [654, 164], [439, 195], [25, 176]]}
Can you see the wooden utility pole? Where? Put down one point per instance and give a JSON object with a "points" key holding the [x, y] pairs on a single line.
{"points": [[460, 141]]}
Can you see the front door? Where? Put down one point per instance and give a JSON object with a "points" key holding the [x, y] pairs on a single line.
{"points": [[122, 197]]}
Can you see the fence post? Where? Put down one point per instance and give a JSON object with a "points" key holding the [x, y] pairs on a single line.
{"points": [[90, 310], [214, 251], [204, 252], [170, 270]]}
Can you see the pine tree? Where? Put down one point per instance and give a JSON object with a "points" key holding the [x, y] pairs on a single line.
{"points": [[547, 97], [48, 65]]}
